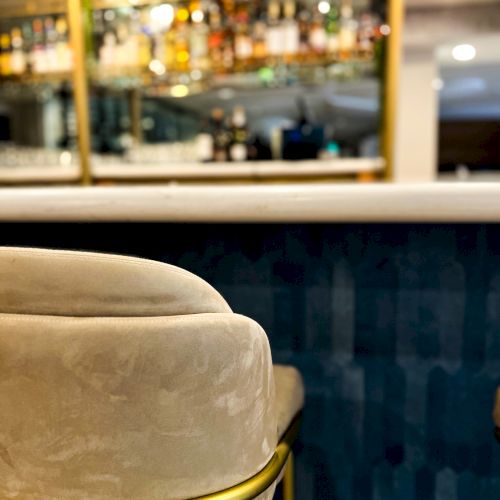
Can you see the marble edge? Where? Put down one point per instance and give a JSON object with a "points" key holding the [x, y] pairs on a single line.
{"points": [[436, 202]]}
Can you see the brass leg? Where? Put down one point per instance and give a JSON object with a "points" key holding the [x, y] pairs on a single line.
{"points": [[288, 489]]}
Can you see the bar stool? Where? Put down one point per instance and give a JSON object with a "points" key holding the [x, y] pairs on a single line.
{"points": [[496, 414], [128, 378]]}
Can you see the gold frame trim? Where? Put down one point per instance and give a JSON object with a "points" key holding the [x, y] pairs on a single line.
{"points": [[259, 483], [80, 87], [395, 19]]}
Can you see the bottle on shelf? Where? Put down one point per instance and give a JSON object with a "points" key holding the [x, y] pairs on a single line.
{"points": [[62, 47], [50, 45], [221, 136], [143, 40], [348, 31], [238, 150], [332, 27], [205, 142], [182, 55], [366, 35], [304, 23], [243, 44], [215, 38], [18, 60], [198, 40], [317, 34], [275, 33], [291, 34], [39, 53], [5, 55]]}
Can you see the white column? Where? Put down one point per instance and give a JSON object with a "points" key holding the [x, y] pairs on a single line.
{"points": [[415, 156]]}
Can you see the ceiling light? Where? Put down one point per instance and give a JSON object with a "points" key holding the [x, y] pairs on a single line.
{"points": [[463, 52]]}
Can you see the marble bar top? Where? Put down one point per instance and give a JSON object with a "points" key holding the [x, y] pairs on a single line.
{"points": [[432, 202]]}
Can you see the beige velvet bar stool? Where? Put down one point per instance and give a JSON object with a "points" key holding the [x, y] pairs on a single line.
{"points": [[128, 378]]}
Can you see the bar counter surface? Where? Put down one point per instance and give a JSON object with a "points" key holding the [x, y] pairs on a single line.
{"points": [[426, 202]]}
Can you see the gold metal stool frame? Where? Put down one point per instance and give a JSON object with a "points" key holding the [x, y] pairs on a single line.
{"points": [[259, 483]]}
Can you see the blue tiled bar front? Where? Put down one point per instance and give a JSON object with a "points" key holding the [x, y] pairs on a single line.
{"points": [[396, 329]]}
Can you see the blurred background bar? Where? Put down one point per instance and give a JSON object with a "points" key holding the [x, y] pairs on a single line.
{"points": [[199, 83]]}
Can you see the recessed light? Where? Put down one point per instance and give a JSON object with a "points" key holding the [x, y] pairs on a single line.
{"points": [[463, 52]]}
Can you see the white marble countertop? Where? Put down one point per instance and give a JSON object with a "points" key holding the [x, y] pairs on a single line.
{"points": [[187, 171], [437, 202]]}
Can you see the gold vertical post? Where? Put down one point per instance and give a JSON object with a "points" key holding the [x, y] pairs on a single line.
{"points": [[288, 479], [80, 87], [391, 79], [135, 104]]}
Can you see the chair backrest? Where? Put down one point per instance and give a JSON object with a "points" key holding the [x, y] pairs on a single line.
{"points": [[123, 378]]}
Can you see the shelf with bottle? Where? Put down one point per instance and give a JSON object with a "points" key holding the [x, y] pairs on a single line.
{"points": [[203, 42], [35, 50]]}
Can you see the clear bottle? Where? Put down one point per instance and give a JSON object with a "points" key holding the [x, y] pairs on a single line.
{"points": [[348, 32], [18, 57], [275, 34], [205, 142], [291, 33], [215, 38], [243, 43], [182, 55], [238, 150], [198, 40], [50, 45], [317, 34], [332, 27], [63, 49], [38, 55]]}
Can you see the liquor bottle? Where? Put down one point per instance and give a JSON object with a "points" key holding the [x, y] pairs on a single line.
{"points": [[50, 45], [198, 40], [38, 54], [98, 30], [304, 23], [27, 34], [18, 61], [259, 36], [133, 42], [216, 38], [332, 27], [238, 150], [291, 32], [5, 55], [182, 55], [63, 49], [107, 52], [205, 142], [122, 42], [366, 35], [221, 136], [243, 46], [228, 44], [143, 40], [275, 35], [317, 34], [348, 31]]}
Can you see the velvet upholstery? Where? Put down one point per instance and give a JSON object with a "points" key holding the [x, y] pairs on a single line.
{"points": [[496, 409], [98, 404], [53, 282]]}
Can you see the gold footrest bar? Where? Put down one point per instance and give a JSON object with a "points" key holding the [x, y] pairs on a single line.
{"points": [[259, 483]]}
